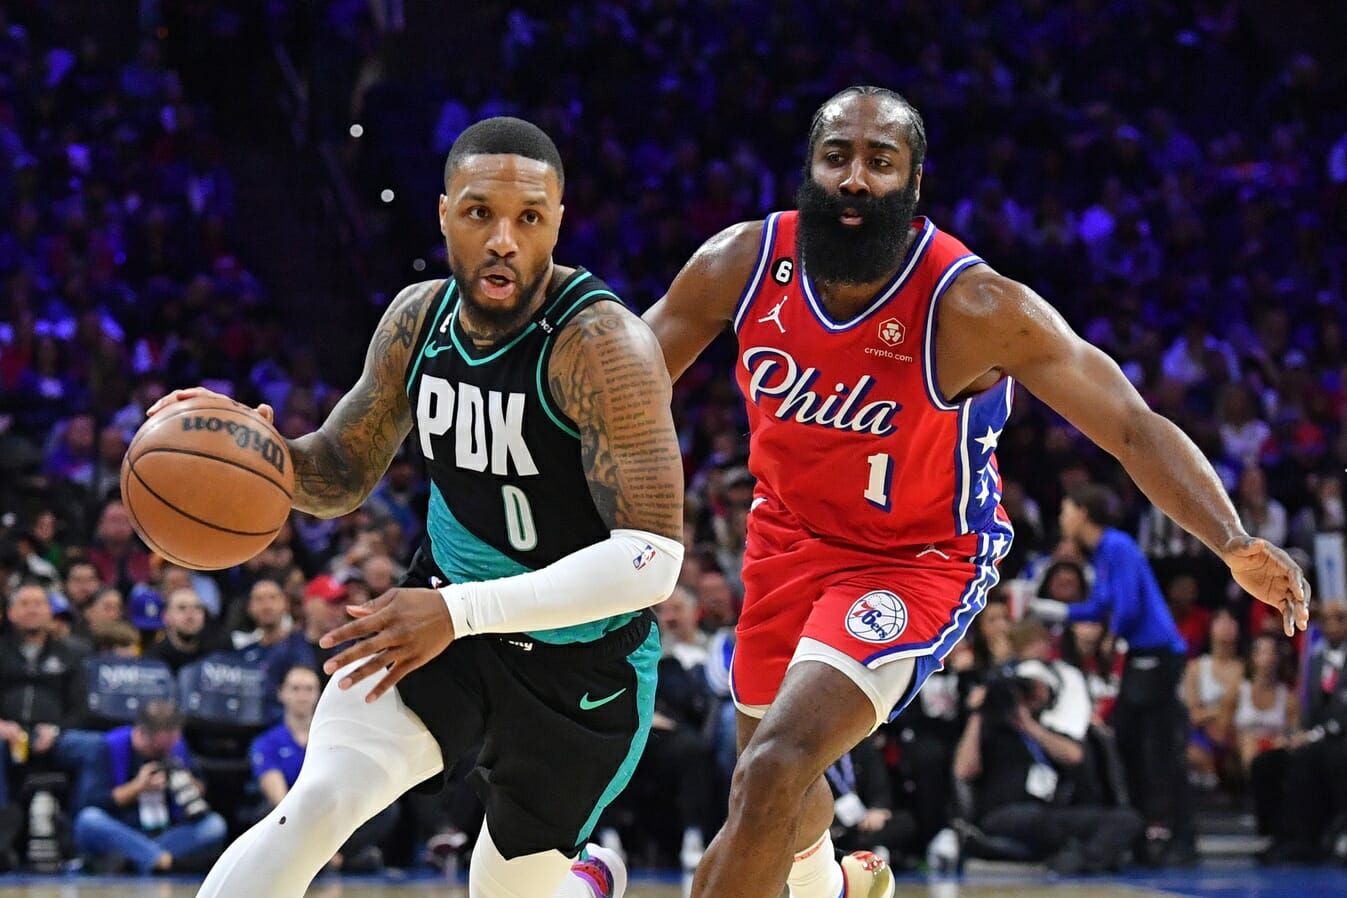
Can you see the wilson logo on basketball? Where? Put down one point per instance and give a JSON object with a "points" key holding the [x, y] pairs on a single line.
{"points": [[244, 437], [892, 331]]}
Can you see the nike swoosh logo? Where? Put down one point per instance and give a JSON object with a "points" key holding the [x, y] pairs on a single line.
{"points": [[587, 705]]}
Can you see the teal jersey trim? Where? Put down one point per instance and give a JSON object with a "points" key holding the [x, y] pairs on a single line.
{"points": [[464, 557], [459, 553], [542, 357], [474, 362], [645, 662], [425, 350]]}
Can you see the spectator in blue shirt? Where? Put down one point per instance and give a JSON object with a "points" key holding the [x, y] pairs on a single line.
{"points": [[1125, 594], [1150, 719], [278, 754], [145, 805], [275, 642]]}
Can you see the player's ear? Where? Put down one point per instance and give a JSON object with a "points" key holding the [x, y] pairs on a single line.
{"points": [[917, 174], [561, 213], [444, 215]]}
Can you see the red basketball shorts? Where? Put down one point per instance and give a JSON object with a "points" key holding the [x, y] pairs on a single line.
{"points": [[911, 602]]}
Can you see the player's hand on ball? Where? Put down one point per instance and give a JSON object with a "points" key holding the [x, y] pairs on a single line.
{"points": [[1268, 574], [174, 396], [406, 628]]}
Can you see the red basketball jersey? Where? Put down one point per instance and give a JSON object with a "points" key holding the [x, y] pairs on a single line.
{"points": [[849, 432]]}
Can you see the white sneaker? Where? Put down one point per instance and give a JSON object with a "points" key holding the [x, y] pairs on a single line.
{"points": [[866, 875], [603, 870]]}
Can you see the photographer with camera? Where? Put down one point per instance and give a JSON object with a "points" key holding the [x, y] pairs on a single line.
{"points": [[1021, 752], [145, 804]]}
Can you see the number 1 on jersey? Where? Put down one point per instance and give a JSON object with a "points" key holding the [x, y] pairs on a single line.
{"points": [[881, 478], [519, 526]]}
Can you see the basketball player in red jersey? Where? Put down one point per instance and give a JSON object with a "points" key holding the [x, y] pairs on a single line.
{"points": [[877, 356]]}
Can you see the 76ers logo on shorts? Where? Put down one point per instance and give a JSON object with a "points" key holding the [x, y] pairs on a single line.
{"points": [[878, 616]]}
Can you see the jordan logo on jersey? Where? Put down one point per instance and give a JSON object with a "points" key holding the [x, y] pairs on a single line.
{"points": [[488, 428], [774, 316], [774, 373]]}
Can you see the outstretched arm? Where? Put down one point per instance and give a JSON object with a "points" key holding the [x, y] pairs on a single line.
{"points": [[701, 300], [1014, 329], [338, 465]]}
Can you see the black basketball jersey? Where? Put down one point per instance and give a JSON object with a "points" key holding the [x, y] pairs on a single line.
{"points": [[508, 492]]}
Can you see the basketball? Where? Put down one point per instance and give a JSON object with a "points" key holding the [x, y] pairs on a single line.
{"points": [[208, 483]]}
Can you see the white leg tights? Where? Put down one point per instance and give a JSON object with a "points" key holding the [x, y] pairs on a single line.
{"points": [[360, 759]]}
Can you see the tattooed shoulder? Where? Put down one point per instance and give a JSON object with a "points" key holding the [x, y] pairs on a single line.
{"points": [[338, 466], [607, 374], [401, 322]]}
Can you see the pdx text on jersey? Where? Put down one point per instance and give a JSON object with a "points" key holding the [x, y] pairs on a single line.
{"points": [[774, 373], [488, 427]]}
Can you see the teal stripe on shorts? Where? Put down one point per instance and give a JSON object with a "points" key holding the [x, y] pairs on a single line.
{"points": [[645, 662]]}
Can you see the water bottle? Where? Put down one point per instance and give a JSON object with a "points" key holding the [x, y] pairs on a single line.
{"points": [[942, 855], [44, 851]]}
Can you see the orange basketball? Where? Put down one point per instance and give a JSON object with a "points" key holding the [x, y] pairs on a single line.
{"points": [[208, 483]]}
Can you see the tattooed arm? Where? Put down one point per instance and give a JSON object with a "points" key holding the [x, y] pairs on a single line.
{"points": [[338, 465], [608, 376]]}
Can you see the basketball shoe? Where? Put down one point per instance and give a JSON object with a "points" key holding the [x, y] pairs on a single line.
{"points": [[604, 871], [866, 875]]}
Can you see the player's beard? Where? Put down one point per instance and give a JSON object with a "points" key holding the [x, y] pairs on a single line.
{"points": [[497, 320], [835, 253]]}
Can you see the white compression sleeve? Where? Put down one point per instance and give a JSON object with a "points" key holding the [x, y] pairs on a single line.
{"points": [[630, 570]]}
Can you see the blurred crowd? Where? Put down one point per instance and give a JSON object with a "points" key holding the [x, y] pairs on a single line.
{"points": [[1173, 177]]}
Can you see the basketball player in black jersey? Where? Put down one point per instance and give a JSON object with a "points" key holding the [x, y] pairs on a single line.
{"points": [[542, 408]]}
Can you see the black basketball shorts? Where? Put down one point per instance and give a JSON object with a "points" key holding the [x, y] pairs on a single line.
{"points": [[561, 726]]}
